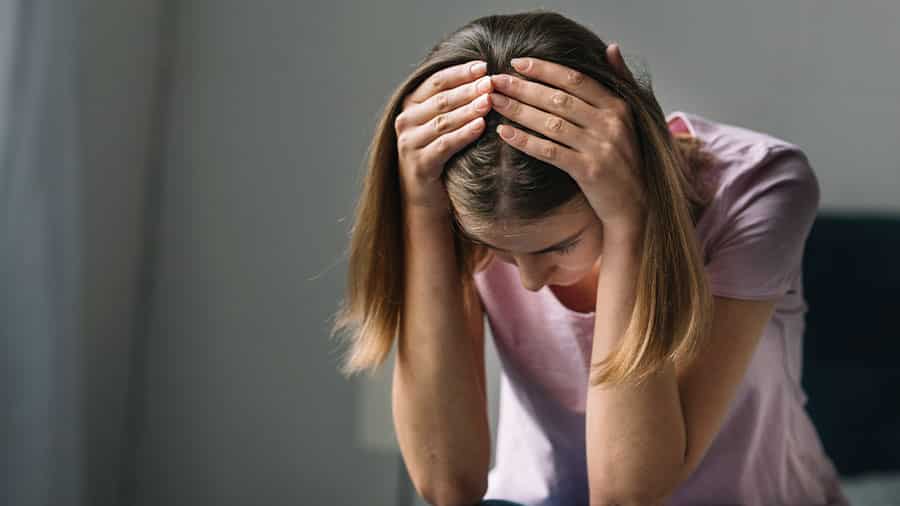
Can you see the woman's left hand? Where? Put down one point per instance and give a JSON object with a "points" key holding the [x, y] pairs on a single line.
{"points": [[594, 129]]}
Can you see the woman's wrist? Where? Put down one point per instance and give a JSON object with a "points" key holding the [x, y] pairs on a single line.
{"points": [[627, 232]]}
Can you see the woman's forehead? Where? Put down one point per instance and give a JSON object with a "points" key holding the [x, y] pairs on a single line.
{"points": [[547, 229]]}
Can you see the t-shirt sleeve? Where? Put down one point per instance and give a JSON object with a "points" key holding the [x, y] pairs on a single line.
{"points": [[770, 212]]}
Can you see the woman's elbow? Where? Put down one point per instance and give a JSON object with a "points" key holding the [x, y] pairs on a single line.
{"points": [[624, 500], [457, 494]]}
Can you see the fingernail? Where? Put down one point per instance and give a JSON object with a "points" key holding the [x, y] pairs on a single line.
{"points": [[505, 131], [500, 81], [521, 64], [484, 84], [499, 100], [477, 68]]}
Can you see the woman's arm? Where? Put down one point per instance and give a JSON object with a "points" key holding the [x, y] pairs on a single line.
{"points": [[439, 403], [631, 431], [644, 442]]}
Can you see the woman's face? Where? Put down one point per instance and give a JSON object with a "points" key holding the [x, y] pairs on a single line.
{"points": [[559, 250]]}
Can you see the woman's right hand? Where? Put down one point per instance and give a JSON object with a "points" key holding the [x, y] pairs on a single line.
{"points": [[441, 116]]}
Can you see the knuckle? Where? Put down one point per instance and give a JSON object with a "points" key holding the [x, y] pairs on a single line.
{"points": [[593, 171], [442, 102], [613, 124], [610, 112], [604, 150], [550, 151], [561, 100], [616, 130], [609, 119], [437, 82], [554, 124], [440, 123], [574, 77], [615, 107]]}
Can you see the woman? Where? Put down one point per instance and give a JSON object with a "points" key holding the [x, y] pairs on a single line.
{"points": [[641, 275]]}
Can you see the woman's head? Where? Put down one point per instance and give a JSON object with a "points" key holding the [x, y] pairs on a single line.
{"points": [[517, 204], [493, 186], [558, 249]]}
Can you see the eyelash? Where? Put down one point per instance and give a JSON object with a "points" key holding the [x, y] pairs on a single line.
{"points": [[567, 249]]}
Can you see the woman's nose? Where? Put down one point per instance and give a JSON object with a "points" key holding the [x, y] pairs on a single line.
{"points": [[533, 276]]}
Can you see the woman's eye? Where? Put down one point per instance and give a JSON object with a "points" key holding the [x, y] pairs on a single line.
{"points": [[568, 249]]}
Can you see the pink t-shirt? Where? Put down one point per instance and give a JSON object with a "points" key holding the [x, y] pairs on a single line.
{"points": [[767, 452]]}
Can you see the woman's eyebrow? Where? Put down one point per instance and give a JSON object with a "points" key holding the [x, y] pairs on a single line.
{"points": [[556, 246]]}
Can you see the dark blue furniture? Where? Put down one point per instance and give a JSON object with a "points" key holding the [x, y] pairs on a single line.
{"points": [[851, 370]]}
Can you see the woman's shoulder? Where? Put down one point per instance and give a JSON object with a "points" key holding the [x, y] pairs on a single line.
{"points": [[748, 161], [726, 137], [766, 198]]}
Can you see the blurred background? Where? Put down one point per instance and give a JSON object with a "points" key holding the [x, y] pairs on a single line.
{"points": [[178, 180]]}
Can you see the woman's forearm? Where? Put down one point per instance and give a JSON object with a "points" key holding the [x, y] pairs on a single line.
{"points": [[439, 403], [635, 434]]}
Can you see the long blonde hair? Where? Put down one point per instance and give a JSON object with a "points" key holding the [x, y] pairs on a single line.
{"points": [[489, 180]]}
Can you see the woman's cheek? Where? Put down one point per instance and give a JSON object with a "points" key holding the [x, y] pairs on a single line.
{"points": [[580, 262]]}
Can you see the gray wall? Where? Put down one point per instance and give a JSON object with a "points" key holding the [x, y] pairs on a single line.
{"points": [[243, 402], [272, 107]]}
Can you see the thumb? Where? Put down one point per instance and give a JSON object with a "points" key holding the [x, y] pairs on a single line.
{"points": [[614, 55]]}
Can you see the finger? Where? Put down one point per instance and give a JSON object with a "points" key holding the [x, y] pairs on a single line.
{"points": [[550, 125], [446, 101], [421, 135], [560, 156], [552, 100], [564, 78], [446, 79], [442, 148], [614, 55]]}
